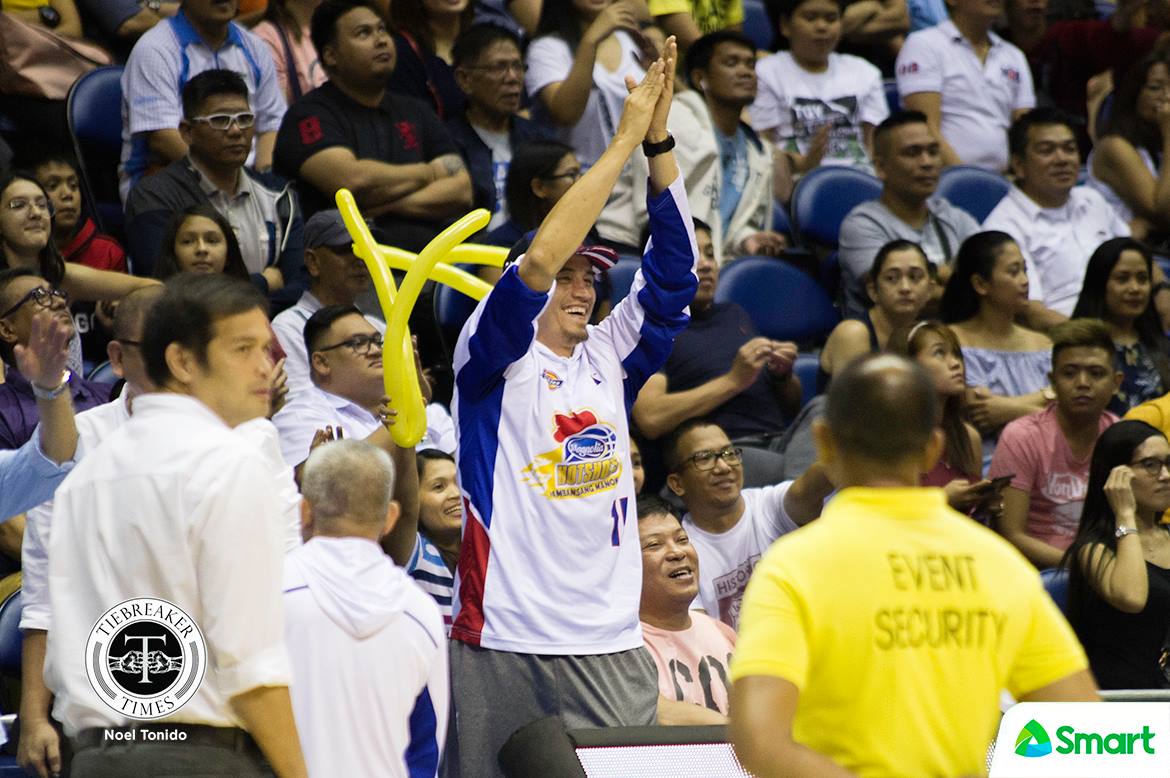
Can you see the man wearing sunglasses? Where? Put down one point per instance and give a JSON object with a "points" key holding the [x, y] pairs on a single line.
{"points": [[218, 126], [23, 294], [728, 525]]}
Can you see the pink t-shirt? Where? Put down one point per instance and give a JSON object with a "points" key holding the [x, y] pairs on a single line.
{"points": [[692, 663], [1035, 450], [308, 70]]}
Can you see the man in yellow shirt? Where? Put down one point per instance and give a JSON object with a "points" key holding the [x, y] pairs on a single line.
{"points": [[876, 640]]}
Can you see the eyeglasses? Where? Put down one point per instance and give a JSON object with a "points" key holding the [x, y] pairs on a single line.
{"points": [[25, 204], [222, 121], [360, 345], [125, 342], [501, 69], [42, 296], [705, 460], [1152, 465], [572, 175]]}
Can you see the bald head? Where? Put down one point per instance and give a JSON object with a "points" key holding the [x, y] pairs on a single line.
{"points": [[882, 407], [131, 312], [348, 483]]}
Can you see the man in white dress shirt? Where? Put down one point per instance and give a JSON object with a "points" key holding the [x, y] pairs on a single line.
{"points": [[368, 648], [162, 530]]}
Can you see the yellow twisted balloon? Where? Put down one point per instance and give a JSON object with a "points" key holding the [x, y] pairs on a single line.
{"points": [[398, 371]]}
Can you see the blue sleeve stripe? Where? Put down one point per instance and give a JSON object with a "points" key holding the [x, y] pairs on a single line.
{"points": [[422, 755], [479, 443], [498, 333]]}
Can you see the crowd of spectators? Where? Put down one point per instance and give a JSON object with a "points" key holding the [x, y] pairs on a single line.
{"points": [[658, 133]]}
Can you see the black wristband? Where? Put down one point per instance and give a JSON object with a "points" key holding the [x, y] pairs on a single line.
{"points": [[654, 149]]}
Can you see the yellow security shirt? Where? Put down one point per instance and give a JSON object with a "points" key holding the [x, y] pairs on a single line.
{"points": [[900, 620]]}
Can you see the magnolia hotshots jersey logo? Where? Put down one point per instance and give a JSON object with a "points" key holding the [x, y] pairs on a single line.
{"points": [[145, 658], [584, 462]]}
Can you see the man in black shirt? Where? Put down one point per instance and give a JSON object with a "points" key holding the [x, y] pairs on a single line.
{"points": [[391, 151]]}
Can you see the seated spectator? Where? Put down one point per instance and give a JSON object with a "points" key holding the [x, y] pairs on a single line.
{"points": [[958, 471], [907, 160], [425, 33], [202, 36], [815, 105], [898, 285], [366, 644], [286, 30], [1056, 223], [60, 16], [336, 277], [688, 20], [22, 295], [970, 83], [577, 65], [77, 238], [440, 529], [489, 68], [720, 368], [636, 468], [1119, 590], [539, 175], [1047, 453], [1007, 364], [217, 128], [519, 16], [1128, 165], [875, 31], [390, 151], [121, 22], [729, 525], [691, 650], [1117, 291], [199, 240], [725, 164]]}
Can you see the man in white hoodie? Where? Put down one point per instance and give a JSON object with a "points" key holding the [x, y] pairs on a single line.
{"points": [[368, 648]]}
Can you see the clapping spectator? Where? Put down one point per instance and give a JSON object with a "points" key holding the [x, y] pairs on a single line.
{"points": [[286, 30], [816, 106], [969, 82], [1117, 290]]}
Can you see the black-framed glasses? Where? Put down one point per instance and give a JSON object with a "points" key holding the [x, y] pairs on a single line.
{"points": [[128, 342], [222, 121], [42, 296], [501, 69], [572, 175], [360, 345], [1152, 465], [705, 460]]}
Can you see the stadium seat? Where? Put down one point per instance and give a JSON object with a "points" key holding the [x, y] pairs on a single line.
{"points": [[757, 25], [103, 373], [893, 99], [93, 109], [785, 303], [1056, 584], [780, 220], [823, 198], [806, 368], [10, 638], [621, 276], [975, 190], [452, 310]]}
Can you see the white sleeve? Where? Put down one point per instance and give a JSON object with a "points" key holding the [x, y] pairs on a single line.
{"points": [[873, 108], [262, 434], [768, 109], [150, 87], [549, 62], [297, 423], [34, 568], [1025, 91], [428, 719], [772, 511], [919, 65]]}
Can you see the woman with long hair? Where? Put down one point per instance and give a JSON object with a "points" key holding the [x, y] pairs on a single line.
{"points": [[1117, 290], [200, 240], [898, 283], [1119, 562], [1007, 364], [286, 31], [1128, 164], [424, 36]]}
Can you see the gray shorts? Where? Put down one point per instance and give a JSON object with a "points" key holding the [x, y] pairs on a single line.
{"points": [[496, 693]]}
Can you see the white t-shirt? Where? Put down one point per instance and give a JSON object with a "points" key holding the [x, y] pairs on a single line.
{"points": [[314, 409], [501, 148], [726, 559], [549, 61], [978, 98], [793, 103]]}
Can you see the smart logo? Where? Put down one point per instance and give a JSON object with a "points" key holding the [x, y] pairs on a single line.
{"points": [[1033, 740]]}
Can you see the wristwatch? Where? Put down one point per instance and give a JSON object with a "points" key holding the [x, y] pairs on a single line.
{"points": [[654, 149], [52, 394], [50, 17], [152, 5], [1123, 531]]}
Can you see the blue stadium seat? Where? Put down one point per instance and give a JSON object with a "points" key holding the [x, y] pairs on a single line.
{"points": [[621, 276], [103, 373], [893, 99], [806, 368], [780, 220], [823, 198], [93, 109], [1056, 584], [452, 310], [10, 637], [975, 190], [757, 25], [784, 302]]}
